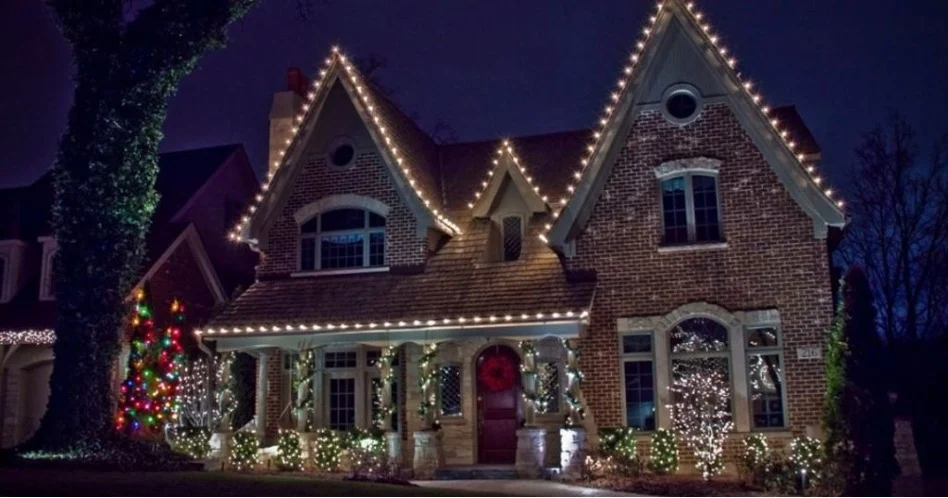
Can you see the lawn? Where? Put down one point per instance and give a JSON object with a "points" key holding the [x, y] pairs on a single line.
{"points": [[50, 482]]}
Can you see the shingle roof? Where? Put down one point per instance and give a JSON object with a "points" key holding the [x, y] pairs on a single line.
{"points": [[458, 282], [794, 124]]}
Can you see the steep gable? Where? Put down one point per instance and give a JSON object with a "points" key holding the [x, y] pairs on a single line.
{"points": [[407, 153], [678, 45], [508, 184]]}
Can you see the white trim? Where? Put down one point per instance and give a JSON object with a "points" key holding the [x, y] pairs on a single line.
{"points": [[339, 142], [341, 201], [715, 246], [699, 164], [50, 247], [341, 271], [685, 89], [658, 386], [200, 256], [506, 167]]}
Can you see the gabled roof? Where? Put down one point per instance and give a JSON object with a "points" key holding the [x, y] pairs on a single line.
{"points": [[408, 153], [681, 18], [181, 173], [507, 164]]}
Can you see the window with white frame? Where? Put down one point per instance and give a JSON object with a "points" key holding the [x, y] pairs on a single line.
{"points": [[638, 376], [342, 238], [765, 377], [690, 212], [449, 390], [699, 344], [342, 404]]}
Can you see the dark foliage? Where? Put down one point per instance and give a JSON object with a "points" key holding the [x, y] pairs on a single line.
{"points": [[244, 371], [857, 414]]}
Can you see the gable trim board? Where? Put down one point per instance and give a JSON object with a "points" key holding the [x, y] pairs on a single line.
{"points": [[254, 225], [193, 239], [628, 103], [507, 164]]}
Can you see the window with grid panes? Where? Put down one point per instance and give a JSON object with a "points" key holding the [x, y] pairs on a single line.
{"points": [[699, 344], [513, 237], [342, 238], [449, 390], [765, 377], [340, 359], [638, 376], [342, 401], [690, 209]]}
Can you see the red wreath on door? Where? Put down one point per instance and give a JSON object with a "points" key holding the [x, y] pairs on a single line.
{"points": [[497, 373]]}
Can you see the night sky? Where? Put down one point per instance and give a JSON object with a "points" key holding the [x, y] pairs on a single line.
{"points": [[503, 68]]}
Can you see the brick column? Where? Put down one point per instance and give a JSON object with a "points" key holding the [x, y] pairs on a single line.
{"points": [[269, 393]]}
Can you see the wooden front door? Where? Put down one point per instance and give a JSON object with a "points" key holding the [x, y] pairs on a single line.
{"points": [[498, 405]]}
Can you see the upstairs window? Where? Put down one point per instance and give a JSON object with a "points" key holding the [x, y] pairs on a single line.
{"points": [[513, 237], [342, 238], [690, 212]]}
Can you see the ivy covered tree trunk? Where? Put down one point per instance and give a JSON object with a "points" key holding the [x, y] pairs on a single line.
{"points": [[105, 171], [857, 415]]}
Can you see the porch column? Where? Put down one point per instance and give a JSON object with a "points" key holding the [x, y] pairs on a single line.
{"points": [[269, 387], [531, 440], [573, 440], [428, 455], [528, 379], [387, 408], [319, 385]]}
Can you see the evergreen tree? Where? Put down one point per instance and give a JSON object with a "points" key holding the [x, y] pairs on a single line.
{"points": [[857, 416]]}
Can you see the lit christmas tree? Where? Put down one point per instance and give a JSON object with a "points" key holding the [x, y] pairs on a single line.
{"points": [[147, 397]]}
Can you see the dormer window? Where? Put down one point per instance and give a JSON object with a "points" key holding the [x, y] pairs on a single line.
{"points": [[690, 212], [342, 238], [512, 237]]}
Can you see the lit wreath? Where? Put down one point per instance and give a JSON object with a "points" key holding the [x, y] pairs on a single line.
{"points": [[497, 373]]}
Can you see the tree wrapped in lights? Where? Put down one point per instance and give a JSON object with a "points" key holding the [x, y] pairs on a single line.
{"points": [[664, 454], [428, 382], [289, 451], [701, 412], [194, 395], [147, 401], [243, 455]]}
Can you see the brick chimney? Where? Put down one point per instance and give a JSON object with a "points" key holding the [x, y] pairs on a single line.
{"points": [[286, 104]]}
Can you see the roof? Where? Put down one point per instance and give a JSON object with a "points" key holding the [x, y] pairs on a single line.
{"points": [[458, 282], [793, 122], [182, 173]]}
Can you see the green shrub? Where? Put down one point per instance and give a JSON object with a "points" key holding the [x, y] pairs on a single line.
{"points": [[619, 444], [756, 462], [806, 460], [289, 451], [327, 449], [243, 454], [663, 458], [192, 441]]}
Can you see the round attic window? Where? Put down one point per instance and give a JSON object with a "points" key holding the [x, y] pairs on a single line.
{"points": [[681, 104], [341, 152]]}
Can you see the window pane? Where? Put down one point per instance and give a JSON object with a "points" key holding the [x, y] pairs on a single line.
{"points": [[706, 208], [639, 395], [450, 390], [377, 249], [340, 359], [766, 387], [341, 251], [699, 335], [682, 368], [341, 404], [343, 219], [762, 338], [307, 253], [376, 220], [372, 357], [638, 343], [548, 376], [513, 234], [311, 226], [674, 211]]}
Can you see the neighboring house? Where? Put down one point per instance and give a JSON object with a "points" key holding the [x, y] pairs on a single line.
{"points": [[690, 224], [202, 192]]}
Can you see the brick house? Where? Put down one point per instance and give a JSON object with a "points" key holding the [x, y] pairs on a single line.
{"points": [[691, 215], [202, 192]]}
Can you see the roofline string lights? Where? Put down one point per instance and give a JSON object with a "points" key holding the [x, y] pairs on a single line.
{"points": [[318, 87], [506, 148], [622, 86], [38, 337], [476, 320]]}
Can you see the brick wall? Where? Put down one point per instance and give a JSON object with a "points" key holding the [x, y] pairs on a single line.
{"points": [[367, 177], [274, 390], [772, 259]]}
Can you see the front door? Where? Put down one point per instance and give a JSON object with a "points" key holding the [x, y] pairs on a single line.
{"points": [[498, 403]]}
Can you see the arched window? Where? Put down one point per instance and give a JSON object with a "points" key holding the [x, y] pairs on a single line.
{"points": [[699, 345], [342, 238]]}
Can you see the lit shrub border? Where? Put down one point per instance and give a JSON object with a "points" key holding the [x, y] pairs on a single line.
{"points": [[243, 455], [289, 455], [663, 458], [192, 441], [327, 450]]}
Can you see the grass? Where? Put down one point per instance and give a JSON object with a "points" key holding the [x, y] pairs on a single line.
{"points": [[33, 482]]}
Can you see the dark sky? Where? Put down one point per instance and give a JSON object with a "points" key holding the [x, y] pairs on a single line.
{"points": [[491, 68]]}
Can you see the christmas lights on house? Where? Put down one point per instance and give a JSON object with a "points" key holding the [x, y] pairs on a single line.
{"points": [[39, 337], [506, 149]]}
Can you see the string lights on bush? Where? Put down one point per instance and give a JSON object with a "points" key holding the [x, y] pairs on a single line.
{"points": [[663, 458], [192, 441], [327, 450], [620, 444], [337, 64], [623, 90], [243, 456], [289, 451], [806, 458], [454, 322]]}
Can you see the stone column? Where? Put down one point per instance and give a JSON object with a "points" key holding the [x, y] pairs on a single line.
{"points": [[428, 455], [387, 376], [573, 449], [573, 438], [531, 452]]}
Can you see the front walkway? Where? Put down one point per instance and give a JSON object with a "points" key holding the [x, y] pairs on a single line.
{"points": [[519, 487]]}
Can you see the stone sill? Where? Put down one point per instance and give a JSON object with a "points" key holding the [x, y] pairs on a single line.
{"points": [[717, 246], [452, 420], [341, 271]]}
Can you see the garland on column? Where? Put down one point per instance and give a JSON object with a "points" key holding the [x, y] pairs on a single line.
{"points": [[387, 376], [305, 369], [536, 379], [427, 382], [574, 377]]}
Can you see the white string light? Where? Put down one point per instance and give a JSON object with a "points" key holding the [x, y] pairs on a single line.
{"points": [[623, 87], [506, 149], [38, 337], [319, 88], [521, 319]]}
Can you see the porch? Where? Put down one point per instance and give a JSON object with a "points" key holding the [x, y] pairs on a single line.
{"points": [[492, 391]]}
